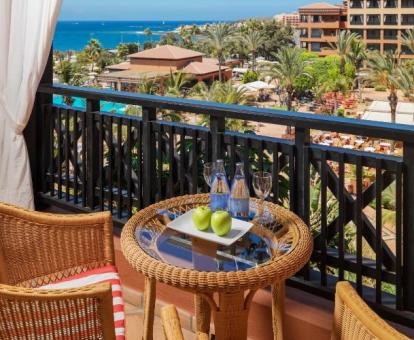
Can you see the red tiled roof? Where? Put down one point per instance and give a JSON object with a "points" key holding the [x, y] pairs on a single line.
{"points": [[199, 68], [166, 52], [321, 5]]}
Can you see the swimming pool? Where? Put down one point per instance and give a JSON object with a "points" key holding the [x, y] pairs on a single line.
{"points": [[80, 103]]}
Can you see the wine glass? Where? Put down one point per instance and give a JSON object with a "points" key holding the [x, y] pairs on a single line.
{"points": [[262, 184], [208, 171]]}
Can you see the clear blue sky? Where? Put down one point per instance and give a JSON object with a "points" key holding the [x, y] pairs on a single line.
{"points": [[175, 9]]}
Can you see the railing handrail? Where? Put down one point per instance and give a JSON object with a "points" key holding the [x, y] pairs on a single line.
{"points": [[397, 132]]}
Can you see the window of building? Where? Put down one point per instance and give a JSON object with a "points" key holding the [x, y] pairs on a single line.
{"points": [[391, 34], [315, 47], [390, 4], [391, 19], [356, 4], [407, 19], [405, 50], [373, 47], [373, 19], [316, 33], [304, 44], [358, 32], [373, 4], [303, 18], [356, 19], [304, 33], [407, 3], [316, 18], [373, 34], [390, 48]]}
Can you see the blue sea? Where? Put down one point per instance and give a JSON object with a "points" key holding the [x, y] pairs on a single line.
{"points": [[74, 35]]}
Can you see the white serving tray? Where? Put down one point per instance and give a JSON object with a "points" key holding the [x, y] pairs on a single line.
{"points": [[184, 224]]}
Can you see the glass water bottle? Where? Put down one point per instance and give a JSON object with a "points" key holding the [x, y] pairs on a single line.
{"points": [[239, 195], [220, 191]]}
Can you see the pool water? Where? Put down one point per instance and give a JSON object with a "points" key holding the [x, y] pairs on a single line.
{"points": [[80, 103]]}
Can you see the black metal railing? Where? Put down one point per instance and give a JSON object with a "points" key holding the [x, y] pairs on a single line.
{"points": [[88, 160]]}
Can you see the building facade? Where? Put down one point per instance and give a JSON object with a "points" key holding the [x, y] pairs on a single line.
{"points": [[380, 23], [319, 26]]}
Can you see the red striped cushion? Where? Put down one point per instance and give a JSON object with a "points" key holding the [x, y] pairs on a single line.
{"points": [[104, 274]]}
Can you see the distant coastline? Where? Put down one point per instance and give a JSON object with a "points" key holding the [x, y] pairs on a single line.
{"points": [[74, 35]]}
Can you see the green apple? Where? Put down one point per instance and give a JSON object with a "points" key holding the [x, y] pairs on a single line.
{"points": [[221, 222], [202, 217]]}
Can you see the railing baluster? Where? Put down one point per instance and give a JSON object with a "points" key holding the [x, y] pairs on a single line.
{"points": [[182, 166], [275, 173], [398, 237], [408, 226], [148, 142], [75, 157], [324, 218], [67, 150], [160, 169], [292, 179], [84, 159], [217, 127], [232, 155], [92, 106], [341, 215], [170, 182], [129, 168], [59, 153], [138, 191], [52, 150], [110, 163], [301, 197], [119, 162], [359, 225], [194, 174], [378, 231], [101, 163]]}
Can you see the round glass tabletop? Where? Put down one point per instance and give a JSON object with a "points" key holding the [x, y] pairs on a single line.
{"points": [[181, 250]]}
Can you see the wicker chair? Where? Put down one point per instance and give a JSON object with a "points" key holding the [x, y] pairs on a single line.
{"points": [[354, 320], [37, 249]]}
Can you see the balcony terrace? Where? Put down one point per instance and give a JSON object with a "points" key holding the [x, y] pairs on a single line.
{"points": [[88, 161]]}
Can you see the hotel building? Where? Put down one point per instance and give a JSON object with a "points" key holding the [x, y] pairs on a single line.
{"points": [[319, 26], [380, 23]]}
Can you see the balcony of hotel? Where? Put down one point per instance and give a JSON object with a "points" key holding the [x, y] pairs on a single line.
{"points": [[87, 160]]}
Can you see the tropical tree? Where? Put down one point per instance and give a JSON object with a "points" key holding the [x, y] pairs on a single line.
{"points": [[175, 83], [253, 40], [405, 81], [340, 84], [357, 56], [148, 86], [93, 51], [344, 46], [123, 50], [289, 66], [219, 37], [408, 39], [383, 70]]}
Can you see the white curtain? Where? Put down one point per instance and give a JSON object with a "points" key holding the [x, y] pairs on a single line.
{"points": [[26, 32]]}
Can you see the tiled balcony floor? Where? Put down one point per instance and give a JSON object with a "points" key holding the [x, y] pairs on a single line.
{"points": [[134, 321]]}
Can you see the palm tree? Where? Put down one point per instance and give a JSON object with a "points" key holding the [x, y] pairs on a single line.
{"points": [[357, 56], [289, 66], [408, 39], [405, 82], [344, 47], [147, 86], [253, 40], [93, 51], [383, 70], [175, 83], [219, 37]]}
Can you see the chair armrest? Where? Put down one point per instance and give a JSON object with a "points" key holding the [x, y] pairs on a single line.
{"points": [[171, 323], [39, 248], [33, 313]]}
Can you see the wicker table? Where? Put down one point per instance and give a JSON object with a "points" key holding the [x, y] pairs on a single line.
{"points": [[266, 256]]}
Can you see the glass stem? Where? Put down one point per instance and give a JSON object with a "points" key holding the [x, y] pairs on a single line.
{"points": [[261, 208]]}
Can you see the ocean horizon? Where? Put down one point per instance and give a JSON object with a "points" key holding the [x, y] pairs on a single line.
{"points": [[74, 35]]}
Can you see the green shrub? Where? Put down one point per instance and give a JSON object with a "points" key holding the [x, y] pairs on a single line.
{"points": [[380, 88], [250, 76], [340, 112]]}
